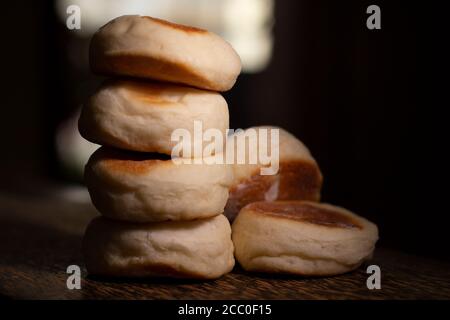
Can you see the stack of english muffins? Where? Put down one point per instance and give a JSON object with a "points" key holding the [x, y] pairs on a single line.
{"points": [[159, 218]]}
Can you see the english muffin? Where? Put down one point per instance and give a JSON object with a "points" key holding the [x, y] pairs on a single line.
{"points": [[142, 116], [301, 237], [141, 187], [298, 177], [146, 47], [200, 249]]}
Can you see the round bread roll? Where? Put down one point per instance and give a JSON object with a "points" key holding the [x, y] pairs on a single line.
{"points": [[141, 116], [298, 177], [301, 237], [200, 249], [142, 188], [151, 48]]}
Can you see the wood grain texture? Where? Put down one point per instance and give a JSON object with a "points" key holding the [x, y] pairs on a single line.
{"points": [[40, 237]]}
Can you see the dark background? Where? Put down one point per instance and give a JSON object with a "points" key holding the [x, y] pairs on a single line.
{"points": [[370, 104]]}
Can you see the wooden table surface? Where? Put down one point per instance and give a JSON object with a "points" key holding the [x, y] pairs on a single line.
{"points": [[41, 236]]}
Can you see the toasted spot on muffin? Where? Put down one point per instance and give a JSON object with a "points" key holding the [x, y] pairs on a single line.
{"points": [[177, 26], [307, 212]]}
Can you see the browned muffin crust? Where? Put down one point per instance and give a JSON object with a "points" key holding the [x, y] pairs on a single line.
{"points": [[306, 212]]}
